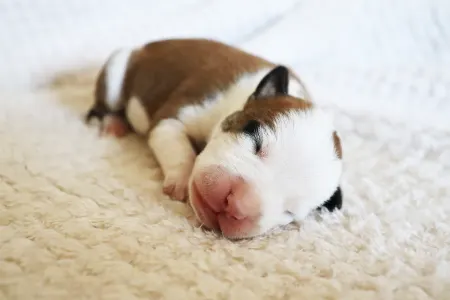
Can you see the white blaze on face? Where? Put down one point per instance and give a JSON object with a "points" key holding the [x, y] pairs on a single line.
{"points": [[301, 155], [298, 171]]}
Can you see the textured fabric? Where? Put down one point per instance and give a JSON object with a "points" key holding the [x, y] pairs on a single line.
{"points": [[83, 217]]}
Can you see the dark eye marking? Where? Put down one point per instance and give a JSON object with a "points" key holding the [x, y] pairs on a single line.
{"points": [[252, 129]]}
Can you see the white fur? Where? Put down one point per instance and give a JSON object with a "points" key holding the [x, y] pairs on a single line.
{"points": [[198, 119], [303, 159], [114, 74], [137, 116], [173, 151], [301, 169]]}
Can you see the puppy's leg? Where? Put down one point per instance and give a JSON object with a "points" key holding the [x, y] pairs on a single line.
{"points": [[175, 154]]}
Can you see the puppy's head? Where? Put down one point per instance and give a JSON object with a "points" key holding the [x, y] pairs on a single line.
{"points": [[274, 161]]}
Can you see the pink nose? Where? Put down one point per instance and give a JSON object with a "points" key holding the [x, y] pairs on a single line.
{"points": [[224, 201], [214, 186]]}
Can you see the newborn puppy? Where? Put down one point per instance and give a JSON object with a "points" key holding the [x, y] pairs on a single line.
{"points": [[267, 155]]}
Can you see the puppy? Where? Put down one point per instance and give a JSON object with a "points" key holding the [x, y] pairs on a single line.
{"points": [[234, 133]]}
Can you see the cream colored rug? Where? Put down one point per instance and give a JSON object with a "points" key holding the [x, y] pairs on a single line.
{"points": [[83, 217]]}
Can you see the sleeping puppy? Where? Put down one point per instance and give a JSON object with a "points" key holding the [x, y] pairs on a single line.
{"points": [[234, 133]]}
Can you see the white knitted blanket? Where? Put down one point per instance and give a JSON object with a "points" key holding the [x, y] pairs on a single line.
{"points": [[83, 217]]}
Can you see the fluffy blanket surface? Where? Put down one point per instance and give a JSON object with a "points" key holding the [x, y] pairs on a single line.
{"points": [[83, 217]]}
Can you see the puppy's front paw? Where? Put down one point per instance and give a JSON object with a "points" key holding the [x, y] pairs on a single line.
{"points": [[176, 187]]}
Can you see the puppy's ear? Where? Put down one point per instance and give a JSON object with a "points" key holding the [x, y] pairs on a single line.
{"points": [[335, 201], [274, 83]]}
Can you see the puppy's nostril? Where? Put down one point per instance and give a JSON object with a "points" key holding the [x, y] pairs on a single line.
{"points": [[226, 202]]}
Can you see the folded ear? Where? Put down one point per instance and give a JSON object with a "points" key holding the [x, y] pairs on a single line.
{"points": [[274, 83], [335, 201]]}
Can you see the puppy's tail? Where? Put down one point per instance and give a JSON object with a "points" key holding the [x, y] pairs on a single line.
{"points": [[109, 95]]}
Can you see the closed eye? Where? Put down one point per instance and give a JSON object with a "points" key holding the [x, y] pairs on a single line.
{"points": [[252, 129]]}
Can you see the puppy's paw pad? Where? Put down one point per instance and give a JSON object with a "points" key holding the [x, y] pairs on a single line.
{"points": [[175, 188], [168, 188]]}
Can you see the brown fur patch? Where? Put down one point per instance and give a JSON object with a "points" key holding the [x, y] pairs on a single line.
{"points": [[168, 74], [264, 111], [337, 145]]}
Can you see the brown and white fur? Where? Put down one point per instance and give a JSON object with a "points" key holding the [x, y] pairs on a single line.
{"points": [[234, 133]]}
